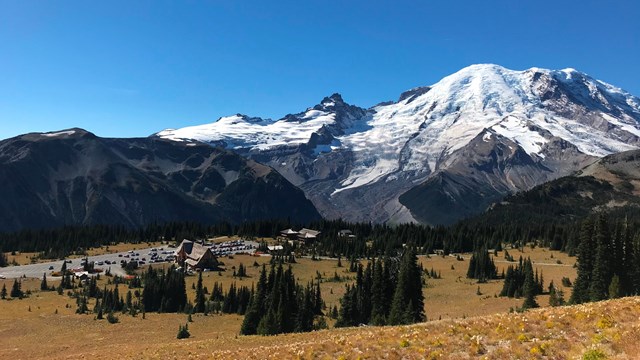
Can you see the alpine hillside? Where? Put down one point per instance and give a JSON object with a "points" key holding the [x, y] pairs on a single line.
{"points": [[610, 185], [73, 177], [441, 152]]}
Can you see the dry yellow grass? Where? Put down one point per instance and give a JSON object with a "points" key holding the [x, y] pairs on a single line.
{"points": [[611, 328], [455, 296]]}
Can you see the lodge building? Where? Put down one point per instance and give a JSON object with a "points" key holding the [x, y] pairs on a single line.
{"points": [[194, 256]]}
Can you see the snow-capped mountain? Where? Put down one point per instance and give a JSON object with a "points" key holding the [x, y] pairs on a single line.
{"points": [[440, 152]]}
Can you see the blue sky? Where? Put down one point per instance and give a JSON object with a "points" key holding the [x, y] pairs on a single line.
{"points": [[131, 68]]}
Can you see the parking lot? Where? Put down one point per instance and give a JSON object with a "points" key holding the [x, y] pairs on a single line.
{"points": [[146, 256]]}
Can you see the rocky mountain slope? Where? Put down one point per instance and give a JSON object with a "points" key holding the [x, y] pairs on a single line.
{"points": [[73, 177], [608, 184], [442, 152]]}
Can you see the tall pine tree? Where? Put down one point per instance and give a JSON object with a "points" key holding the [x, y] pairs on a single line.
{"points": [[408, 301]]}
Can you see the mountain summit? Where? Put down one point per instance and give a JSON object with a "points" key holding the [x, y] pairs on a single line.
{"points": [[441, 152]]}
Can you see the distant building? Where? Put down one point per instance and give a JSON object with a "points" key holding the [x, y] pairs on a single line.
{"points": [[82, 275], [274, 248], [303, 235], [289, 234], [195, 256], [346, 233], [308, 234]]}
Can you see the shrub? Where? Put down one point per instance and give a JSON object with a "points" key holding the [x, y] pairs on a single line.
{"points": [[183, 332], [594, 354], [112, 319]]}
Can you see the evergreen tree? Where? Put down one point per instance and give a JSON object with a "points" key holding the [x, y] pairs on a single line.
{"points": [[242, 271], [580, 292], [3, 259], [43, 283], [555, 296], [268, 325], [615, 288], [3, 292], [16, 290], [602, 269], [257, 307], [183, 332], [629, 260], [408, 301], [200, 299], [530, 288], [379, 300]]}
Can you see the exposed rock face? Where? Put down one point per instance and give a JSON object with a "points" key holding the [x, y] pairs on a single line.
{"points": [[73, 177]]}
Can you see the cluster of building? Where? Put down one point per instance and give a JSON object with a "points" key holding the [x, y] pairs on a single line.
{"points": [[193, 255]]}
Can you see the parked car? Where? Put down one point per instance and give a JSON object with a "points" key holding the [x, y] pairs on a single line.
{"points": [[51, 267]]}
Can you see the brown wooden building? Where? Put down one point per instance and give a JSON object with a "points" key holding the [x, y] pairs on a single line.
{"points": [[194, 256]]}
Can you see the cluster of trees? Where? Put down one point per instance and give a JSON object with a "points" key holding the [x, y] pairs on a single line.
{"points": [[608, 261], [107, 301], [385, 293], [16, 290], [164, 291], [371, 240], [280, 305], [234, 301], [521, 281], [61, 242], [481, 266], [111, 301]]}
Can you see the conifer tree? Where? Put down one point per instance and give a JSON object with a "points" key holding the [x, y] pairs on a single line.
{"points": [[3, 292], [615, 288], [43, 283], [257, 307], [379, 300], [268, 325], [555, 296], [580, 292], [602, 271], [408, 301], [629, 260], [3, 259], [200, 299], [16, 290], [530, 288]]}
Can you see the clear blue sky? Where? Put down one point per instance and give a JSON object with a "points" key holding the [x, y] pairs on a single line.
{"points": [[131, 68]]}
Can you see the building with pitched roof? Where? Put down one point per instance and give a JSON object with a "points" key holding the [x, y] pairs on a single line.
{"points": [[193, 255], [289, 234]]}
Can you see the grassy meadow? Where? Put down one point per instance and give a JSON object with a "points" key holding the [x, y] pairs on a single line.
{"points": [[45, 323]]}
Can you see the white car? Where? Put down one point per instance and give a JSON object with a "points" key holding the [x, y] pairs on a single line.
{"points": [[2, 276]]}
